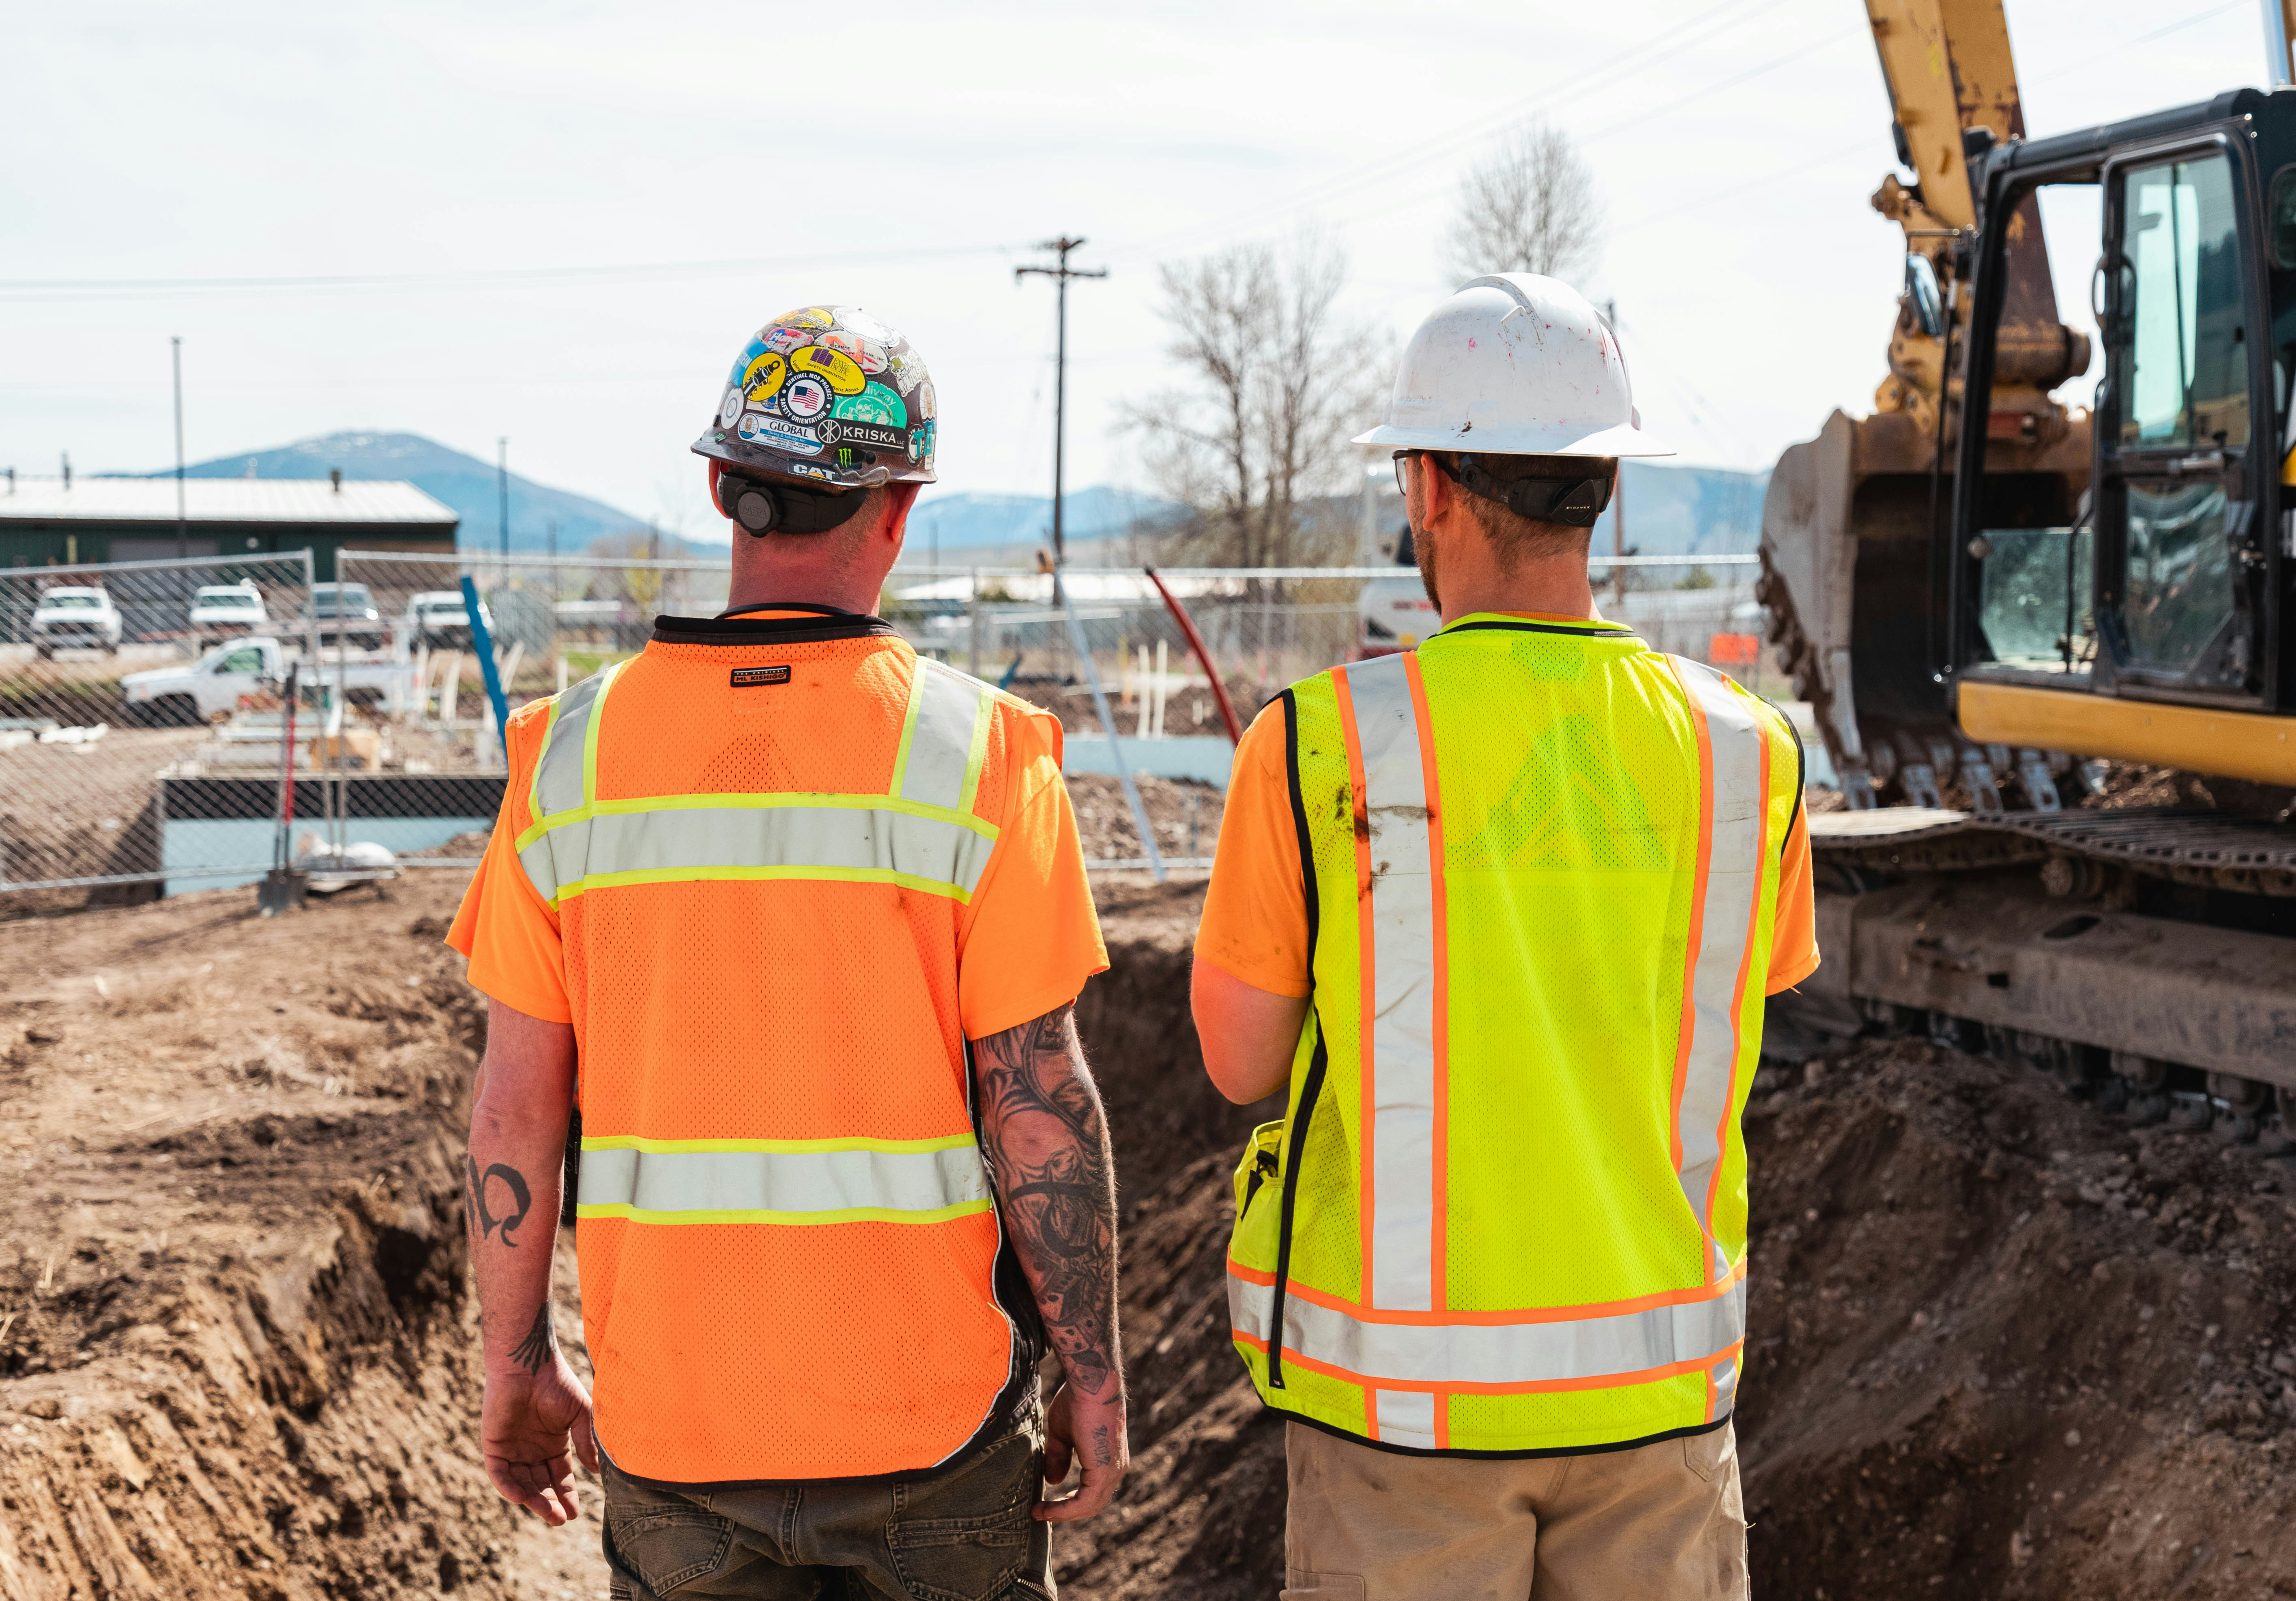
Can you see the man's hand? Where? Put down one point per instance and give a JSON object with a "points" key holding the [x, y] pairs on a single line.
{"points": [[525, 1424], [1090, 1434]]}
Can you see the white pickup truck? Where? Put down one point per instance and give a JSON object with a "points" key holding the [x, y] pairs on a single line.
{"points": [[182, 697]]}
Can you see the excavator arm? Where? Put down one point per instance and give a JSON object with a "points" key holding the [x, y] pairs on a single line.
{"points": [[1948, 70]]}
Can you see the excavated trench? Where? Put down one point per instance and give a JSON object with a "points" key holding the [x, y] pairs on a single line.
{"points": [[2002, 1346]]}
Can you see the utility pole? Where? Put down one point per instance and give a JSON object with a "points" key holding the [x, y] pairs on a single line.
{"points": [[1060, 275], [502, 489], [182, 529]]}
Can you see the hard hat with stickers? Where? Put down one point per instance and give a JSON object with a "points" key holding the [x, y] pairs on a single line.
{"points": [[826, 395]]}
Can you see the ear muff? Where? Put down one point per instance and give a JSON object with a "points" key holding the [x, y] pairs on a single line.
{"points": [[761, 508]]}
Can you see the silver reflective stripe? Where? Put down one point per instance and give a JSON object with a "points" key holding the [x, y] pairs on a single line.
{"points": [[1399, 973], [1623, 1346], [1734, 882], [558, 775], [935, 765], [1725, 1375], [729, 840], [801, 1182], [579, 842]]}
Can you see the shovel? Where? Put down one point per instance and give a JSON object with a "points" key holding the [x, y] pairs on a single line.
{"points": [[281, 889]]}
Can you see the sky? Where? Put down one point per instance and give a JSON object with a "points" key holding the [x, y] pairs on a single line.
{"points": [[556, 224]]}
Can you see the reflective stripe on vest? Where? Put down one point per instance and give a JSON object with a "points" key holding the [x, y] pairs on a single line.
{"points": [[1402, 1347], [783, 1181], [922, 834], [1552, 1349]]}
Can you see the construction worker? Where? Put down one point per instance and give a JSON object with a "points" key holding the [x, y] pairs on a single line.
{"points": [[1501, 912], [792, 920]]}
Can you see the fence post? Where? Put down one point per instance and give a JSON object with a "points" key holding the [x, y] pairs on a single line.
{"points": [[972, 620]]}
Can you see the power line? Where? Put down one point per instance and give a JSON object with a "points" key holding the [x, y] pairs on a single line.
{"points": [[1383, 168], [99, 288]]}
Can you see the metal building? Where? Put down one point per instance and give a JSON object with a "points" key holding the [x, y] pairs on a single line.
{"points": [[68, 521]]}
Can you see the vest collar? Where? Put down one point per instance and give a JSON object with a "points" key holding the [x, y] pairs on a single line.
{"points": [[771, 622], [1517, 622]]}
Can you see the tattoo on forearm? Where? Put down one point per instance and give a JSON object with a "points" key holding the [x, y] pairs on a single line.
{"points": [[1047, 1148], [540, 1345], [485, 1223]]}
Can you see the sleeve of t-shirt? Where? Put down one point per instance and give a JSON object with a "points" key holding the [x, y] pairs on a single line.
{"points": [[1794, 936], [504, 928], [1255, 921], [1031, 937]]}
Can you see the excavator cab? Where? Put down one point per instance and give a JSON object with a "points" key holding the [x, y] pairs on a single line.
{"points": [[2143, 622]]}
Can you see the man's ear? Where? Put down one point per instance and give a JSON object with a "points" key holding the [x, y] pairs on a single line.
{"points": [[898, 498], [1437, 493]]}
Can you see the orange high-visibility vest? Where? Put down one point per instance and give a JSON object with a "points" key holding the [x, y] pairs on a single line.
{"points": [[757, 841]]}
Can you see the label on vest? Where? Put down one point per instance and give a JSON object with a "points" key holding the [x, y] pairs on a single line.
{"points": [[749, 678]]}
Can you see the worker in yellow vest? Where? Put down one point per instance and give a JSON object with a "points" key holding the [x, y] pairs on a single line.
{"points": [[1498, 916], [793, 919]]}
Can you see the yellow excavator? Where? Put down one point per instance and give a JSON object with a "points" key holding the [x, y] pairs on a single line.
{"points": [[1997, 602]]}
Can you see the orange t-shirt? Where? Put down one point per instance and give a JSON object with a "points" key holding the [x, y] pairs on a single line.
{"points": [[1025, 943], [1255, 921]]}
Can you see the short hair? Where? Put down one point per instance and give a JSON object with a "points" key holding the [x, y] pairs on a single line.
{"points": [[1515, 537]]}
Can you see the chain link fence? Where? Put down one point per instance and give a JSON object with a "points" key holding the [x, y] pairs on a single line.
{"points": [[144, 709]]}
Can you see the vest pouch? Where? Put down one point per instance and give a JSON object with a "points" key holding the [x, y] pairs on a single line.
{"points": [[1263, 1160]]}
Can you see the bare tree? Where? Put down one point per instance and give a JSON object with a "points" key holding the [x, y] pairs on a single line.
{"points": [[1276, 380], [1528, 207]]}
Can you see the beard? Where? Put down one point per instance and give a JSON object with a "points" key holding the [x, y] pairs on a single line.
{"points": [[1422, 551]]}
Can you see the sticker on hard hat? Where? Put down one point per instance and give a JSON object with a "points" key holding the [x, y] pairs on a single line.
{"points": [[875, 403], [762, 378], [805, 397], [759, 428], [833, 367], [729, 410], [867, 354], [921, 443], [872, 435], [807, 469]]}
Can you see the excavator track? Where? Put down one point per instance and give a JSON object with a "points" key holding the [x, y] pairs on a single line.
{"points": [[2202, 849]]}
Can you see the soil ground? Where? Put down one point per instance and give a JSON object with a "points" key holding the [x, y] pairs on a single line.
{"points": [[2002, 1346]]}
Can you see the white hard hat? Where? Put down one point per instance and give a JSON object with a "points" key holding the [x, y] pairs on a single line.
{"points": [[1516, 366]]}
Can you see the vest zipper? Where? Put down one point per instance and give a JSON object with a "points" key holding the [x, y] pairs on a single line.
{"points": [[1309, 1094]]}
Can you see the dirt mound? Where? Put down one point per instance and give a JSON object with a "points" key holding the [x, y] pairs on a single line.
{"points": [[2004, 1346], [236, 1353]]}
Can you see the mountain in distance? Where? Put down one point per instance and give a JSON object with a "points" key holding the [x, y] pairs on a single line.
{"points": [[968, 527], [462, 482]]}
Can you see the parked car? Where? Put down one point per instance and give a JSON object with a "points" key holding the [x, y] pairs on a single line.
{"points": [[181, 697], [438, 618], [70, 615], [345, 614], [222, 611]]}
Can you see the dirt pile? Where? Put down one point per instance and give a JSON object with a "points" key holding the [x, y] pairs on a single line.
{"points": [[235, 1346]]}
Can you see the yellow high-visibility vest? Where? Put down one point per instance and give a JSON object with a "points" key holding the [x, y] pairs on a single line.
{"points": [[1506, 1212]]}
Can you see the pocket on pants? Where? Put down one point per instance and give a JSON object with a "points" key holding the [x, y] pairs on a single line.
{"points": [[964, 1536], [1305, 1584], [665, 1541], [1709, 1455]]}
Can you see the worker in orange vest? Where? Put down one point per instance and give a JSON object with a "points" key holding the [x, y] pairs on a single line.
{"points": [[792, 920]]}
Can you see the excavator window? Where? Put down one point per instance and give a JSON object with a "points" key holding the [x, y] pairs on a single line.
{"points": [[2178, 366]]}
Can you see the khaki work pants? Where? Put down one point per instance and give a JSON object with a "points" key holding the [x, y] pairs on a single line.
{"points": [[1657, 1523], [962, 1533]]}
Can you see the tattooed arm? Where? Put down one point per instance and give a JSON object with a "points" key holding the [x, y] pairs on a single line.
{"points": [[511, 1180], [1047, 1148]]}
